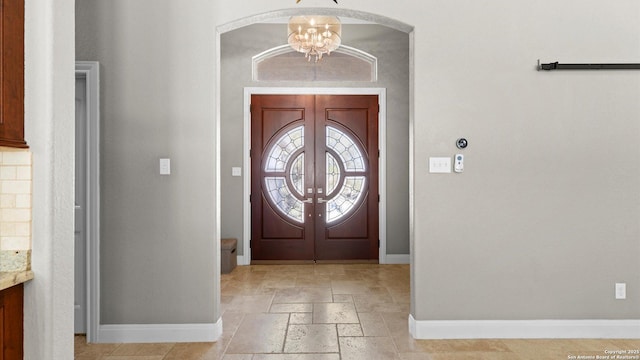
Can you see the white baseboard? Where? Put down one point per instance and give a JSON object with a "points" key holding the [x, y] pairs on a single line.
{"points": [[389, 259], [397, 259], [159, 333], [524, 329], [241, 260]]}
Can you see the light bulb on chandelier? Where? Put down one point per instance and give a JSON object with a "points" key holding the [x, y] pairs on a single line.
{"points": [[314, 36]]}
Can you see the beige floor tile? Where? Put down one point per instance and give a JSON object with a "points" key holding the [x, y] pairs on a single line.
{"points": [[238, 357], [383, 307], [349, 287], [195, 351], [278, 284], [595, 345], [231, 321], [89, 351], [530, 349], [334, 313], [316, 281], [296, 357], [354, 273], [303, 295], [365, 266], [250, 303], [349, 330], [331, 269], [271, 268], [405, 343], [291, 308], [342, 298], [451, 346], [224, 308], [368, 299], [311, 274], [226, 299], [311, 338], [478, 356], [301, 318], [300, 268], [373, 324], [88, 357], [266, 291], [132, 357], [380, 294], [259, 333], [401, 298], [625, 344], [289, 276], [398, 286], [143, 349], [414, 356], [376, 289], [367, 348], [343, 277], [397, 322], [243, 273], [242, 289], [246, 281]]}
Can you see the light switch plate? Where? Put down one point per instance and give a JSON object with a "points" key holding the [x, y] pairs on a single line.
{"points": [[621, 291], [236, 171], [165, 166], [439, 165]]}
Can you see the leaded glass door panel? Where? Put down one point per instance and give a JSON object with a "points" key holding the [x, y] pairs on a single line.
{"points": [[314, 183], [281, 143], [346, 175]]}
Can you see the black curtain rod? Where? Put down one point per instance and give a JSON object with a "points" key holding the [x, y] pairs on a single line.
{"points": [[558, 66]]}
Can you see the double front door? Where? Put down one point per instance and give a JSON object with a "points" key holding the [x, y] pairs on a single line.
{"points": [[314, 177]]}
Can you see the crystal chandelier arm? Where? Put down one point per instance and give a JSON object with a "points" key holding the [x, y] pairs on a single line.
{"points": [[314, 36]]}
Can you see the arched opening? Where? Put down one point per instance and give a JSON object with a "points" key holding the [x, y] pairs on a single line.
{"points": [[237, 59]]}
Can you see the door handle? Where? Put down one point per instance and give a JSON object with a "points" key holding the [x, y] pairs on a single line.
{"points": [[308, 201], [322, 201]]}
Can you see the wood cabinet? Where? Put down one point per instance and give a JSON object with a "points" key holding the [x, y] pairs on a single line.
{"points": [[11, 323], [12, 73]]}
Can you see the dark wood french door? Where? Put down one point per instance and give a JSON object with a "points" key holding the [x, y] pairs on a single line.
{"points": [[314, 177]]}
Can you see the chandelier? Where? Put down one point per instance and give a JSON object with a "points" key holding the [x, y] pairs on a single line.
{"points": [[314, 35]]}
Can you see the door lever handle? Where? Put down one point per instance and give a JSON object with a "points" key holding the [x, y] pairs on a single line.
{"points": [[322, 201], [308, 201]]}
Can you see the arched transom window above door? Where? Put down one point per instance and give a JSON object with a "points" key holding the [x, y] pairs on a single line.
{"points": [[281, 63]]}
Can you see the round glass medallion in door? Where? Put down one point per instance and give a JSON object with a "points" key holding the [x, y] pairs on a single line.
{"points": [[284, 174], [345, 174]]}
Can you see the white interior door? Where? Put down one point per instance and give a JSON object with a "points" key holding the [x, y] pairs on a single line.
{"points": [[80, 291]]}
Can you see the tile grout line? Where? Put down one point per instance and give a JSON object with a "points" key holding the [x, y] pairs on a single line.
{"points": [[286, 333], [333, 299], [338, 340], [393, 340], [224, 351]]}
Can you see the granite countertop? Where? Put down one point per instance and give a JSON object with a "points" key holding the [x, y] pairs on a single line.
{"points": [[12, 278]]}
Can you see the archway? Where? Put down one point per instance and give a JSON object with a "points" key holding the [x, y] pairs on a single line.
{"points": [[223, 117]]}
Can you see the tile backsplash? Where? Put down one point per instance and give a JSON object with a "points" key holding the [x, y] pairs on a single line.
{"points": [[15, 209]]}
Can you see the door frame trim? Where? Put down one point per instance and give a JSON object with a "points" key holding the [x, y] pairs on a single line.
{"points": [[90, 70], [245, 259]]}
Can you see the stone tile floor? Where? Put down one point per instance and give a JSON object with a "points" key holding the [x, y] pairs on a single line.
{"points": [[331, 312]]}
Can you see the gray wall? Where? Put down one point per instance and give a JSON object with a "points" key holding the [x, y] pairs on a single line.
{"points": [[546, 216], [542, 223], [157, 232], [391, 47]]}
